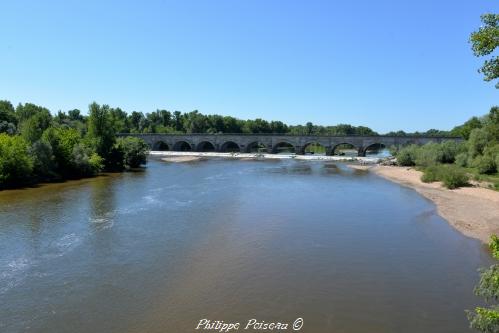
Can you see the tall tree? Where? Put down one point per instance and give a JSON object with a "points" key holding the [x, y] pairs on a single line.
{"points": [[484, 42], [100, 129]]}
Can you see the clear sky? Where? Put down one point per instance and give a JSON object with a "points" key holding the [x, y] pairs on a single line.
{"points": [[386, 64]]}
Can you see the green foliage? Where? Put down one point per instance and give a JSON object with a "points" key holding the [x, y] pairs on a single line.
{"points": [[62, 140], [492, 124], [462, 159], [431, 174], [406, 156], [484, 42], [429, 154], [450, 175], [134, 150], [85, 161], [465, 129], [479, 138], [485, 164], [100, 130], [16, 164], [484, 319], [43, 157], [454, 177], [8, 119], [494, 246], [487, 319]]}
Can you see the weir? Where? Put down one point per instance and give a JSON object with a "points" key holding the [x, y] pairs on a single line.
{"points": [[245, 143]]}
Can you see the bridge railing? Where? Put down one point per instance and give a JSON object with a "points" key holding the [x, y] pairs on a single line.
{"points": [[293, 135]]}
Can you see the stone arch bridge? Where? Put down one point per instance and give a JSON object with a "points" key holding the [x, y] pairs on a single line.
{"points": [[274, 143]]}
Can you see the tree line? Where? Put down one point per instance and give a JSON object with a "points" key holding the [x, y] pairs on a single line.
{"points": [[176, 122], [36, 146]]}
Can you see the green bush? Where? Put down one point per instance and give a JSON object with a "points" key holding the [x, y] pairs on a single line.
{"points": [[429, 154], [494, 247], [450, 175], [454, 177], [16, 164], [406, 156], [462, 159], [479, 138], [485, 164], [450, 150], [485, 319], [431, 174]]}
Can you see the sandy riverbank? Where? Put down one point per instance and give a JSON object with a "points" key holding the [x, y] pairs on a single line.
{"points": [[474, 211]]}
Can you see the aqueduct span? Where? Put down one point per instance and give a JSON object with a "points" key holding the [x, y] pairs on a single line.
{"points": [[273, 143]]}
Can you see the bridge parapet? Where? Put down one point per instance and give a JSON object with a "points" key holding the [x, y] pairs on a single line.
{"points": [[274, 142]]}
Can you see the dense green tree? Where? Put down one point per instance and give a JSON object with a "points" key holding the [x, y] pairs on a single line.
{"points": [[27, 110], [484, 42], [62, 141], [7, 114], [134, 151], [465, 129], [100, 130], [479, 138], [16, 163], [43, 158], [85, 162], [32, 128]]}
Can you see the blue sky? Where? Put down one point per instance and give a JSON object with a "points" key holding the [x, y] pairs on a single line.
{"points": [[384, 64]]}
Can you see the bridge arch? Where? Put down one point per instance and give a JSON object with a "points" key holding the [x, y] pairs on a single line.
{"points": [[230, 147], [205, 146], [314, 148], [160, 146], [283, 147], [374, 148], [256, 147], [182, 146], [335, 150]]}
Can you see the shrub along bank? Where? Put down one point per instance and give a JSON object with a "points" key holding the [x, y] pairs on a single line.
{"points": [[455, 163]]}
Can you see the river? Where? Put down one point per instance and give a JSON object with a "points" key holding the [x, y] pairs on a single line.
{"points": [[160, 249]]}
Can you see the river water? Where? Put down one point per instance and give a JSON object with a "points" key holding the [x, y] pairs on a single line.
{"points": [[161, 249]]}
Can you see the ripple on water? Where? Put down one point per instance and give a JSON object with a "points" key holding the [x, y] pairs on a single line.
{"points": [[13, 273]]}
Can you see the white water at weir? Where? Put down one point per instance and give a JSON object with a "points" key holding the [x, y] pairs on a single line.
{"points": [[366, 160]]}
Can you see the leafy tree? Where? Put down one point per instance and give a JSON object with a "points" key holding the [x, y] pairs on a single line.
{"points": [[7, 117], [484, 42], [465, 129], [100, 130], [28, 110], [32, 128], [6, 127], [16, 164], [75, 115], [62, 140], [134, 151], [85, 161], [487, 319], [479, 138], [43, 157]]}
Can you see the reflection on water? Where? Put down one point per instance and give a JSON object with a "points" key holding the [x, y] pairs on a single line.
{"points": [[157, 251]]}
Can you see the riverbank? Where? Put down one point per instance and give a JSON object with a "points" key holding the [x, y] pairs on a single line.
{"points": [[188, 156], [473, 211]]}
